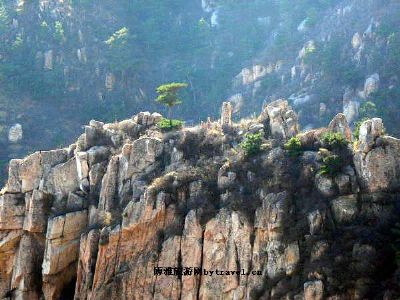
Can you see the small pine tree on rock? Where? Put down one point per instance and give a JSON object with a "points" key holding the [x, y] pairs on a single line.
{"points": [[168, 95]]}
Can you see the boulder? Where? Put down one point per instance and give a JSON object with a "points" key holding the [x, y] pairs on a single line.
{"points": [[339, 124], [27, 174], [147, 119], [76, 202], [370, 130], [62, 241], [140, 157], [351, 105], [371, 84], [316, 221], [15, 133], [37, 209], [283, 121], [325, 185], [314, 290], [63, 179], [377, 159], [97, 154], [95, 136], [356, 41], [12, 211], [344, 209]]}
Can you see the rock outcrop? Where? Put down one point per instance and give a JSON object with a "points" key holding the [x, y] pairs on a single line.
{"points": [[281, 119], [131, 212], [377, 159]]}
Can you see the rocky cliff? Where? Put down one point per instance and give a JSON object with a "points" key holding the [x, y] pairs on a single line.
{"points": [[91, 59], [131, 212]]}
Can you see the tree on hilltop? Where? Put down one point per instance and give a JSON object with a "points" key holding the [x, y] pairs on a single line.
{"points": [[168, 95]]}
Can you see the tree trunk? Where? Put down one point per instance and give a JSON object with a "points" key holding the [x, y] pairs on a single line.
{"points": [[169, 115]]}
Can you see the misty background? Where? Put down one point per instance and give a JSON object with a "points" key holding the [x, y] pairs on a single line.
{"points": [[63, 63]]}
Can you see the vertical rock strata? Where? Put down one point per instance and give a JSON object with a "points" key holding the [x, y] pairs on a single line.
{"points": [[112, 215]]}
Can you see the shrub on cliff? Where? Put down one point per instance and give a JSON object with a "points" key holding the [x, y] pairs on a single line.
{"points": [[169, 124], [168, 95], [331, 165], [251, 144], [334, 140], [293, 146]]}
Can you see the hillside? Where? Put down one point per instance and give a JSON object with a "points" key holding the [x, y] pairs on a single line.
{"points": [[313, 212], [63, 63]]}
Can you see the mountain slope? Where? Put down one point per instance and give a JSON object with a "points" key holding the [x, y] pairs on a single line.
{"points": [[116, 213], [66, 62]]}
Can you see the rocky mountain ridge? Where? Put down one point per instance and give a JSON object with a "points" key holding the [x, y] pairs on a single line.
{"points": [[97, 219], [90, 59]]}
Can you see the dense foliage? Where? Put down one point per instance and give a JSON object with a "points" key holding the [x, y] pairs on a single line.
{"points": [[170, 124], [293, 146], [331, 165], [251, 144], [334, 140]]}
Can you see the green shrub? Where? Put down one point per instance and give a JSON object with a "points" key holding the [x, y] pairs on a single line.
{"points": [[334, 140], [118, 38], [169, 124], [252, 144], [331, 166], [59, 32], [293, 146], [368, 109]]}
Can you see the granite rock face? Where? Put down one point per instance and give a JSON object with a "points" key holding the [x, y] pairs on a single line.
{"points": [[130, 212], [377, 158], [281, 119]]}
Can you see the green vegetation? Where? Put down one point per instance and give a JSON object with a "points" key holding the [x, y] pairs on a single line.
{"points": [[170, 124], [368, 110], [357, 126], [334, 140], [18, 42], [118, 38], [59, 32], [120, 52], [331, 165], [252, 144], [168, 96], [293, 146]]}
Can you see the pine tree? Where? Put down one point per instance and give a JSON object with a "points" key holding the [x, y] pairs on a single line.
{"points": [[168, 95]]}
